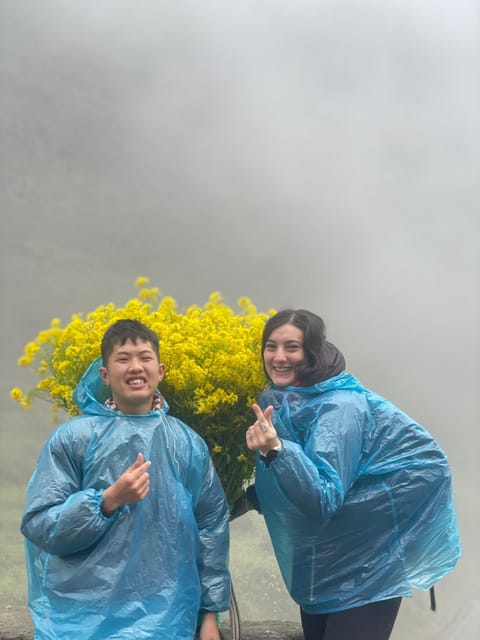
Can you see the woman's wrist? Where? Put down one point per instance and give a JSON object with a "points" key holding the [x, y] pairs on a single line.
{"points": [[276, 447]]}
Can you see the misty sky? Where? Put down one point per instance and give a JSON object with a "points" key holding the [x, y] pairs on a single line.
{"points": [[320, 154]]}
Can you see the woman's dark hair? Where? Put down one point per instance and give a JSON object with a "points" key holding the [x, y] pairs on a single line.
{"points": [[316, 366], [121, 331]]}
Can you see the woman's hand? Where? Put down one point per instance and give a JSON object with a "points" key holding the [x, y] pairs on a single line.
{"points": [[261, 435]]}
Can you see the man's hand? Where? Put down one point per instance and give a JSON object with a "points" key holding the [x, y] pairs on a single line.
{"points": [[132, 486], [209, 628]]}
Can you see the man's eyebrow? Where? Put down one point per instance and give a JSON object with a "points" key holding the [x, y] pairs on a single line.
{"points": [[142, 352]]}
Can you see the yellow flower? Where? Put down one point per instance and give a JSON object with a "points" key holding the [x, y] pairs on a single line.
{"points": [[141, 281], [213, 367], [16, 394]]}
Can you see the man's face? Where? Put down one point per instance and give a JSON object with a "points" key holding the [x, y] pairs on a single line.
{"points": [[133, 373]]}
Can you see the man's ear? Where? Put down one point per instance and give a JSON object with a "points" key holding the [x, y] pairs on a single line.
{"points": [[104, 375], [161, 371]]}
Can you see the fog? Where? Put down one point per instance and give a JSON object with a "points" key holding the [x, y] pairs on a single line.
{"points": [[315, 154]]}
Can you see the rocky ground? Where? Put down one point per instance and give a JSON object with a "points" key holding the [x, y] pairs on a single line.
{"points": [[15, 624]]}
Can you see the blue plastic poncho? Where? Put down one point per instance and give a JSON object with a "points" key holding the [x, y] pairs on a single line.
{"points": [[358, 501], [145, 571]]}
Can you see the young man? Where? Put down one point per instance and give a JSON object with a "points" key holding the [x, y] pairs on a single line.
{"points": [[126, 521]]}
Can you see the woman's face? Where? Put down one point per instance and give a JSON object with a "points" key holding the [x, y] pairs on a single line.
{"points": [[283, 352]]}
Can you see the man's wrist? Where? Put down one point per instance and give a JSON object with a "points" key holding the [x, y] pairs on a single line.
{"points": [[108, 505]]}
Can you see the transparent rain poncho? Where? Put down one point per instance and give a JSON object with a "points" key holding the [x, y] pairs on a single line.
{"points": [[358, 502], [145, 571]]}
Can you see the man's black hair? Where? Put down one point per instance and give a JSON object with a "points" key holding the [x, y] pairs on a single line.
{"points": [[123, 330]]}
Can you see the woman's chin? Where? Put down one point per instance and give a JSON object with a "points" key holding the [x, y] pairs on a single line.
{"points": [[283, 381]]}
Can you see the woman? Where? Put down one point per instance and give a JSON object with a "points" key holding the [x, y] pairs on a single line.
{"points": [[356, 495]]}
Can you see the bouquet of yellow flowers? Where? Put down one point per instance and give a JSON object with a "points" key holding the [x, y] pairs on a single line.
{"points": [[213, 368]]}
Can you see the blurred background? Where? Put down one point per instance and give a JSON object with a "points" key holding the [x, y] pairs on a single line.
{"points": [[320, 154]]}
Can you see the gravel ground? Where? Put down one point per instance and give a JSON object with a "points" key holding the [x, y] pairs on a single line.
{"points": [[15, 624]]}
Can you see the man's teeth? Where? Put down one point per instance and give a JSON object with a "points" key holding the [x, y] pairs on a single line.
{"points": [[136, 381]]}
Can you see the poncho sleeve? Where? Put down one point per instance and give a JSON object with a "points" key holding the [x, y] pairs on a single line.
{"points": [[60, 516], [212, 517], [314, 476]]}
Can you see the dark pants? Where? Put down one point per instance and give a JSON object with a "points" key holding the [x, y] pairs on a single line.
{"points": [[371, 622]]}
